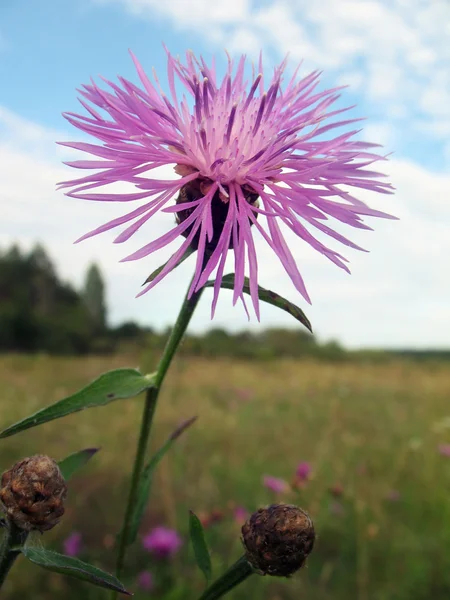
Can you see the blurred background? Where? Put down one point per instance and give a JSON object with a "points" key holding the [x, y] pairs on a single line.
{"points": [[352, 423]]}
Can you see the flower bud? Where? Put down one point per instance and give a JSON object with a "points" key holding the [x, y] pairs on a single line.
{"points": [[32, 493], [278, 539]]}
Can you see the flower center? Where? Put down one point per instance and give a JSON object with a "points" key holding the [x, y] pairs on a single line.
{"points": [[194, 190]]}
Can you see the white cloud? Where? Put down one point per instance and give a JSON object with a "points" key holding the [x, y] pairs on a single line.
{"points": [[190, 13], [396, 52], [396, 296]]}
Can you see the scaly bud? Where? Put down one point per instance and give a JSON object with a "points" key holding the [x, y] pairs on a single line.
{"points": [[32, 493], [278, 539]]}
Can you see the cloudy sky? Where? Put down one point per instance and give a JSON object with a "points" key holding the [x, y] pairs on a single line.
{"points": [[395, 57]]}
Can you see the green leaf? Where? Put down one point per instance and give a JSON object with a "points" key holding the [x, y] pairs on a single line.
{"points": [[233, 577], [146, 479], [75, 461], [157, 271], [73, 567], [114, 385], [266, 296], [199, 544]]}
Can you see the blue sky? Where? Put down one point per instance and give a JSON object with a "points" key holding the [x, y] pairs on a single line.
{"points": [[395, 57]]}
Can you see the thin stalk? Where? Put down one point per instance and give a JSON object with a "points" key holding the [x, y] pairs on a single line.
{"points": [[235, 575], [13, 538], [177, 333]]}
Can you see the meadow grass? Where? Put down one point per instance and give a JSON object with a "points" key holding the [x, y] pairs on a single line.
{"points": [[371, 429]]}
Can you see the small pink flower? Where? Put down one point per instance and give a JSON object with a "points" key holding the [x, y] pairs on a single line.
{"points": [[279, 486], [145, 581], [72, 544], [240, 514], [303, 470], [444, 450], [162, 542]]}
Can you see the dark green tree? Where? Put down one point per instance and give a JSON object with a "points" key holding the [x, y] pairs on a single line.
{"points": [[94, 298], [37, 311]]}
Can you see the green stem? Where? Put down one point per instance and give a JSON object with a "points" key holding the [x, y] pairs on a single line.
{"points": [[13, 538], [235, 575], [181, 324]]}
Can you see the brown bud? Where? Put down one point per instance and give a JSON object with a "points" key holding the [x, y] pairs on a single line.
{"points": [[32, 493], [278, 539]]}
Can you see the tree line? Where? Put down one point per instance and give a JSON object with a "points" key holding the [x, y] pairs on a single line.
{"points": [[41, 313]]}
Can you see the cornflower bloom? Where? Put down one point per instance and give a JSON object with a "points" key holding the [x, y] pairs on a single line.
{"points": [[240, 514], [247, 156], [279, 486], [145, 581], [162, 542], [303, 470], [72, 544]]}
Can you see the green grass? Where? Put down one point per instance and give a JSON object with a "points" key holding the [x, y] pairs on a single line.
{"points": [[372, 428]]}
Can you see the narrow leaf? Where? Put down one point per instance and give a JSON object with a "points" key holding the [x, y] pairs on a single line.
{"points": [[146, 478], [233, 577], [75, 461], [266, 296], [73, 567], [157, 271], [201, 551], [114, 385]]}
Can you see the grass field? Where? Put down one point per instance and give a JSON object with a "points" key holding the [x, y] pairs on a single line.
{"points": [[371, 429]]}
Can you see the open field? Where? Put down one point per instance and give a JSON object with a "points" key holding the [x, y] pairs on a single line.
{"points": [[373, 429]]}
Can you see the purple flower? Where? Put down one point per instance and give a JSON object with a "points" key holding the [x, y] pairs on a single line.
{"points": [[444, 450], [162, 542], [303, 470], [145, 581], [72, 544], [240, 514], [259, 155], [279, 486]]}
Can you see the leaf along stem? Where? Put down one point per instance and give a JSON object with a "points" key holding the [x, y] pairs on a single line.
{"points": [[235, 575], [177, 333]]}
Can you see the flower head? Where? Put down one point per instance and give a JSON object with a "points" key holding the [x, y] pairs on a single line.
{"points": [[303, 470], [279, 486], [240, 514], [249, 157], [145, 581], [32, 493], [72, 544], [278, 539], [162, 542]]}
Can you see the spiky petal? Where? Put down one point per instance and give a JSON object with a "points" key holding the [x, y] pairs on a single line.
{"points": [[234, 142]]}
